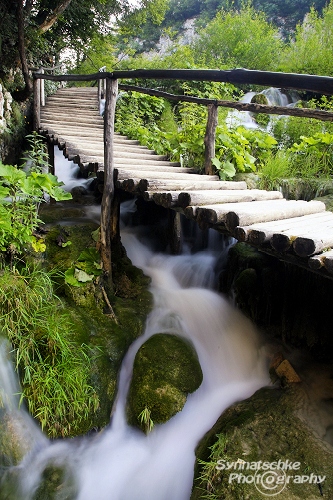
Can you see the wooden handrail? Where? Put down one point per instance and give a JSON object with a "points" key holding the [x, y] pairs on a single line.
{"points": [[312, 83]]}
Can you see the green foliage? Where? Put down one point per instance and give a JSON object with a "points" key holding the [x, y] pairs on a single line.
{"points": [[85, 269], [21, 194], [238, 38], [52, 368], [313, 156], [240, 150], [274, 170], [145, 420], [311, 52]]}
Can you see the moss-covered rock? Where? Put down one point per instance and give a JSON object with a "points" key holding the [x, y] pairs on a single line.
{"points": [[259, 99], [269, 427], [166, 369]]}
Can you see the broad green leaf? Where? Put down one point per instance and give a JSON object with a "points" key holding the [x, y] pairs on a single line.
{"points": [[4, 192], [70, 278], [10, 173], [82, 276]]}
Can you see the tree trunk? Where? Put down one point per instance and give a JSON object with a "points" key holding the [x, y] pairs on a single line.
{"points": [[21, 48]]}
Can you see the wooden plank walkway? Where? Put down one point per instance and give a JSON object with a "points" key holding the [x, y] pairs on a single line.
{"points": [[300, 232]]}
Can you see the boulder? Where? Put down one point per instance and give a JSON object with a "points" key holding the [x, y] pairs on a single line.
{"points": [[166, 369]]}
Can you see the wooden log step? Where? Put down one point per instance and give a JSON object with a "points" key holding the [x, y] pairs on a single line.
{"points": [[118, 145], [317, 262], [54, 103], [189, 184], [124, 155], [261, 233], [211, 197], [88, 120], [145, 174], [283, 240], [128, 163], [95, 135], [245, 214], [314, 242]]}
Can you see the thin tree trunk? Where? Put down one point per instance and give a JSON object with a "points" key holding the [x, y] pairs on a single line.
{"points": [[21, 47]]}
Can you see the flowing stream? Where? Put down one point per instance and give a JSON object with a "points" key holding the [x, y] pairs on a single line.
{"points": [[121, 463]]}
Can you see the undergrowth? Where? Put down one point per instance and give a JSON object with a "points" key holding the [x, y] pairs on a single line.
{"points": [[53, 369]]}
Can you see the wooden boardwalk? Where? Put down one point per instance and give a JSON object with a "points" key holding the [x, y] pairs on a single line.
{"points": [[300, 232]]}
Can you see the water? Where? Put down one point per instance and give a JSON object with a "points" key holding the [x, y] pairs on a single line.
{"points": [[275, 97], [121, 463], [68, 172]]}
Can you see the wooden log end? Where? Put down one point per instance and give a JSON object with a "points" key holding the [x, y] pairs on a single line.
{"points": [[143, 185], [184, 200], [240, 234], [257, 237], [304, 247], [206, 216], [231, 221], [280, 242]]}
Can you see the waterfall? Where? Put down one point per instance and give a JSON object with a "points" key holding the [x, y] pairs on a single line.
{"points": [[121, 463], [275, 97]]}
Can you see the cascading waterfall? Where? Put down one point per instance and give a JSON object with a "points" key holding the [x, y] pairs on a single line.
{"points": [[121, 463], [275, 97]]}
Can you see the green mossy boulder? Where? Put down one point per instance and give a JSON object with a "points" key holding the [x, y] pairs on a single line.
{"points": [[270, 426], [166, 369], [260, 99]]}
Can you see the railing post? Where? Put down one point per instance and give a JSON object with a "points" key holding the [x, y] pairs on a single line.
{"points": [[108, 190], [42, 89], [210, 138], [36, 106]]}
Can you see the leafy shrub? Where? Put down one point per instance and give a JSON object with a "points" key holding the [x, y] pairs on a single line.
{"points": [[21, 194]]}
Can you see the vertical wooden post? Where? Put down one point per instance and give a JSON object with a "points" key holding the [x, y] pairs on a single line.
{"points": [[36, 107], [42, 89], [50, 153], [210, 138], [99, 92], [108, 190]]}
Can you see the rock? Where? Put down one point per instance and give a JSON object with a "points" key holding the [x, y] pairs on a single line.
{"points": [[78, 192], [166, 369], [287, 373], [269, 426]]}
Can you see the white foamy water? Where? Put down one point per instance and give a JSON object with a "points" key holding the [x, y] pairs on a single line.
{"points": [[121, 463], [68, 172]]}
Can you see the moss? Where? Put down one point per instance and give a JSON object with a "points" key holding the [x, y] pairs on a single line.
{"points": [[56, 482], [166, 369], [259, 99], [107, 339], [264, 427]]}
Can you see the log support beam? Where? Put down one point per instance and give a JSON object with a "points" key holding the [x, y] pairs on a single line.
{"points": [[175, 232]]}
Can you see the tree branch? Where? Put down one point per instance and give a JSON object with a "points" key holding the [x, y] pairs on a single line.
{"points": [[52, 18]]}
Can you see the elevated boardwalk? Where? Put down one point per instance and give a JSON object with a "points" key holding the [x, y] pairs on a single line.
{"points": [[295, 231]]}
